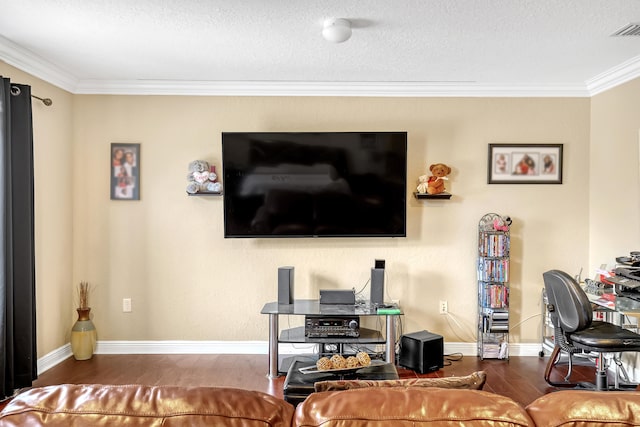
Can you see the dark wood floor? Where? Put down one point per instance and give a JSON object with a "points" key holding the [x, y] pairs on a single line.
{"points": [[520, 378]]}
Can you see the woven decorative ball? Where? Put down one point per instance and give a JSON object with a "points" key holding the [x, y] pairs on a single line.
{"points": [[352, 362], [363, 358], [324, 364], [338, 361]]}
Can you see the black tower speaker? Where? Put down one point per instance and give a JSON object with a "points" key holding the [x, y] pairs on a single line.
{"points": [[422, 351], [285, 285], [377, 286]]}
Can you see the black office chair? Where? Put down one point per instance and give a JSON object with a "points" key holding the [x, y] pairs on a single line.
{"points": [[575, 330]]}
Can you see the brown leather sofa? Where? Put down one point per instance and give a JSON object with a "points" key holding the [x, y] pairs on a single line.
{"points": [[137, 405]]}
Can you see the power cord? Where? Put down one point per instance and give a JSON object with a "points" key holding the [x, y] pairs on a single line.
{"points": [[453, 357], [449, 316]]}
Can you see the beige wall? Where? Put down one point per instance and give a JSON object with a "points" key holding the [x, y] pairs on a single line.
{"points": [[614, 192], [167, 253], [53, 154], [187, 282]]}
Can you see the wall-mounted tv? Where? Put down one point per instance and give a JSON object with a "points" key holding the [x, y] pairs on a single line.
{"points": [[314, 184]]}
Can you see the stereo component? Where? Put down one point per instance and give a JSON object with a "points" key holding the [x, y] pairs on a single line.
{"points": [[337, 296], [332, 326]]}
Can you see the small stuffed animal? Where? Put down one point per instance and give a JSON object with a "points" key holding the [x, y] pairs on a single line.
{"points": [[502, 223], [202, 178], [422, 186], [435, 183]]}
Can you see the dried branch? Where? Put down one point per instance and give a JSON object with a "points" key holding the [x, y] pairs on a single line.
{"points": [[83, 295]]}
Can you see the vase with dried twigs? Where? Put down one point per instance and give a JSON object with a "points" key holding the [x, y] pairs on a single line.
{"points": [[83, 334]]}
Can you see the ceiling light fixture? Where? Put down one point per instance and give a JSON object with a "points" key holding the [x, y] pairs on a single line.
{"points": [[336, 30]]}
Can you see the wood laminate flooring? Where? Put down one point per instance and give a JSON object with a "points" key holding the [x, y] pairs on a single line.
{"points": [[520, 378]]}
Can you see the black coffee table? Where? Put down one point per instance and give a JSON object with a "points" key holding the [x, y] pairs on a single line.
{"points": [[297, 386]]}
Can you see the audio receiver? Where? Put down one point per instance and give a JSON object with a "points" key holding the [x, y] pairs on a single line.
{"points": [[332, 327]]}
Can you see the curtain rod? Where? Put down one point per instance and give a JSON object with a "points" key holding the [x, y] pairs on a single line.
{"points": [[45, 101], [15, 90]]}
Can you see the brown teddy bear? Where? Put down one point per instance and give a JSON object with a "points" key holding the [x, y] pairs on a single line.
{"points": [[435, 183]]}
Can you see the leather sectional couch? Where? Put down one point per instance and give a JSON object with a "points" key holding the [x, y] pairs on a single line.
{"points": [[138, 405]]}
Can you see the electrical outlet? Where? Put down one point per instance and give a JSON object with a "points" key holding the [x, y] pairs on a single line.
{"points": [[126, 305], [444, 307], [396, 302]]}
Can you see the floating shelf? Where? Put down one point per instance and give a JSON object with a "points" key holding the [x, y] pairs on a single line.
{"points": [[206, 193], [443, 195]]}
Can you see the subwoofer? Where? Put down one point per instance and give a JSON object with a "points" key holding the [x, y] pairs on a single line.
{"points": [[422, 351]]}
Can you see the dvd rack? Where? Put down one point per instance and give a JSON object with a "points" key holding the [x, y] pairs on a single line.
{"points": [[494, 244]]}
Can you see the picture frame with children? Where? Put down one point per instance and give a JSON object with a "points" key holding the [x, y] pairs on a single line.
{"points": [[525, 164], [125, 171]]}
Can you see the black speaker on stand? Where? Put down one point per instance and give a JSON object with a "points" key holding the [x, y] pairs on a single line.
{"points": [[377, 286]]}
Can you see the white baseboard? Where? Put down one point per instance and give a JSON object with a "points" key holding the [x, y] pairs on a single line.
{"points": [[55, 357], [471, 349], [182, 347], [51, 359]]}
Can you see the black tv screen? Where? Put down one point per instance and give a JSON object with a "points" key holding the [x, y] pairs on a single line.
{"points": [[320, 184]]}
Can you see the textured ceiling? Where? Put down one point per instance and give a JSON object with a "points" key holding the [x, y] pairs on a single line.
{"points": [[400, 47]]}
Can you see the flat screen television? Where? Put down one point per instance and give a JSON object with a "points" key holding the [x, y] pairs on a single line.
{"points": [[314, 184]]}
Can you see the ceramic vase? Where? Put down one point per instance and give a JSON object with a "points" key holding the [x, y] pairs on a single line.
{"points": [[83, 336]]}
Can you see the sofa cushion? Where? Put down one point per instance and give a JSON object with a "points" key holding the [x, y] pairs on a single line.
{"points": [[474, 381], [586, 408], [409, 406], [138, 405]]}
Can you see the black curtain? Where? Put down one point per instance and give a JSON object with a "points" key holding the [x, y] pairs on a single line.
{"points": [[18, 357]]}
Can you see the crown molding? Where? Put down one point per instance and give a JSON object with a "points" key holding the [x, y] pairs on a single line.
{"points": [[291, 88], [615, 76], [31, 63]]}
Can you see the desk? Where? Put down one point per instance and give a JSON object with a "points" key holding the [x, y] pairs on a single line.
{"points": [[626, 305], [622, 305], [314, 308]]}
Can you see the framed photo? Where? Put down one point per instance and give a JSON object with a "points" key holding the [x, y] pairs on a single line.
{"points": [[125, 171], [525, 164]]}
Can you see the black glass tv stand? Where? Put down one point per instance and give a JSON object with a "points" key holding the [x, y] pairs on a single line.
{"points": [[314, 308]]}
